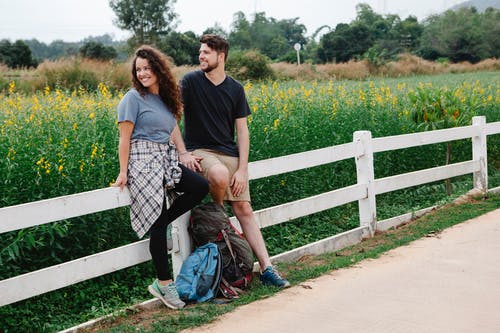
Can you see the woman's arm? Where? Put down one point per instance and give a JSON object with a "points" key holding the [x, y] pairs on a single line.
{"points": [[186, 158], [126, 129]]}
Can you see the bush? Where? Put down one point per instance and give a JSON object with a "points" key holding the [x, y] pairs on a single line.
{"points": [[74, 73], [249, 65]]}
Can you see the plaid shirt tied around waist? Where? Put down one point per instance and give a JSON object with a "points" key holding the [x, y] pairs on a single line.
{"points": [[152, 169]]}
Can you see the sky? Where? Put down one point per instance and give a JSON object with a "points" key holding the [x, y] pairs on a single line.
{"points": [[74, 20]]}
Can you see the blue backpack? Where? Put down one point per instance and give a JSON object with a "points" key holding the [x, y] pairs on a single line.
{"points": [[200, 274]]}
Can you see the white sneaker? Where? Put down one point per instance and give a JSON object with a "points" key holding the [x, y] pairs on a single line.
{"points": [[167, 294]]}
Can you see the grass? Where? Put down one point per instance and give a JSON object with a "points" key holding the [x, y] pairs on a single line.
{"points": [[161, 319]]}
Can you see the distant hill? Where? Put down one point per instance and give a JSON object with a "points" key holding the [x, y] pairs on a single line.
{"points": [[480, 5]]}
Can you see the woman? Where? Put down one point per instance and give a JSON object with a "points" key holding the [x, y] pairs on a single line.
{"points": [[149, 141]]}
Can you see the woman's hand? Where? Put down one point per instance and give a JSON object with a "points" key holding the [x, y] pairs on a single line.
{"points": [[190, 161], [121, 180]]}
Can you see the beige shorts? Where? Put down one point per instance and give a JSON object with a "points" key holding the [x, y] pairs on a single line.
{"points": [[211, 158]]}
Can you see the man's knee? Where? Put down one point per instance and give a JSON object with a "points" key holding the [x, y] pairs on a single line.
{"points": [[218, 176], [242, 208]]}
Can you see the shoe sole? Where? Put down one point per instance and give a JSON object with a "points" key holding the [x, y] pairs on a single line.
{"points": [[161, 298], [286, 285]]}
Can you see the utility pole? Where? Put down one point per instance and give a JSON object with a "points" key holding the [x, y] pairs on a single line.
{"points": [[296, 46]]}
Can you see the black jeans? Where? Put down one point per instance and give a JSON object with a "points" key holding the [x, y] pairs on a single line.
{"points": [[194, 188]]}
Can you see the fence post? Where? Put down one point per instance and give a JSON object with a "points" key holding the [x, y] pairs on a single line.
{"points": [[479, 153], [366, 176], [181, 242]]}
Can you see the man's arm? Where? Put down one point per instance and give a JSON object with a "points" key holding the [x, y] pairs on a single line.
{"points": [[239, 179]]}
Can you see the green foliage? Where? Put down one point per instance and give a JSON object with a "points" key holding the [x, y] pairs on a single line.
{"points": [[345, 42], [181, 47], [98, 51], [16, 55], [371, 36], [462, 35], [249, 65], [441, 107], [269, 36], [147, 20]]}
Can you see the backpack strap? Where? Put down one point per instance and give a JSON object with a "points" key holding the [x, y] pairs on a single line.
{"points": [[228, 290], [228, 243]]}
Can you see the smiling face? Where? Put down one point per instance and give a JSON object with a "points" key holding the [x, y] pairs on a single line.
{"points": [[209, 58], [146, 75]]}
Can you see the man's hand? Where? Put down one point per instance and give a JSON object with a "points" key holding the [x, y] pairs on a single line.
{"points": [[239, 182]]}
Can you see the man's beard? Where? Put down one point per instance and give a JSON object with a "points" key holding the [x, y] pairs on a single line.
{"points": [[210, 68]]}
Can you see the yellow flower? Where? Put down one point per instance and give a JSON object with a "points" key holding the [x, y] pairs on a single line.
{"points": [[12, 87], [95, 148], [92, 115], [248, 86], [103, 89], [65, 143], [11, 154]]}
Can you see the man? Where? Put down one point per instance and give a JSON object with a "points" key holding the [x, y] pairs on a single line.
{"points": [[214, 106]]}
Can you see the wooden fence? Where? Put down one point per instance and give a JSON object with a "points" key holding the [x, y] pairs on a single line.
{"points": [[362, 149]]}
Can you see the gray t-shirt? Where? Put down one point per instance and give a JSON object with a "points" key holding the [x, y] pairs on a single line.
{"points": [[152, 120]]}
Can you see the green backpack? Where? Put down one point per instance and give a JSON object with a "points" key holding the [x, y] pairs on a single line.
{"points": [[209, 223]]}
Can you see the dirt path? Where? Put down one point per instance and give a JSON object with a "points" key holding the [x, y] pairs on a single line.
{"points": [[446, 283]]}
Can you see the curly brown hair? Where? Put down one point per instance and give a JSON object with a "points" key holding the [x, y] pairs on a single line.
{"points": [[160, 65]]}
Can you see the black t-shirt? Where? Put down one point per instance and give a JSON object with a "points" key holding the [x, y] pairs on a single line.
{"points": [[210, 112]]}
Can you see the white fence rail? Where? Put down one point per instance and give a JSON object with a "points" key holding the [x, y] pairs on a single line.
{"points": [[361, 149]]}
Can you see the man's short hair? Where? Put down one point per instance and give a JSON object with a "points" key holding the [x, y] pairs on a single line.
{"points": [[217, 43]]}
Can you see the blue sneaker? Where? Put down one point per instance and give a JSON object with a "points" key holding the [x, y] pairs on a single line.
{"points": [[270, 276]]}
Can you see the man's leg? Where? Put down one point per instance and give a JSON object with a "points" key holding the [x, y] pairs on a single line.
{"points": [[218, 169], [269, 275], [215, 172], [218, 179], [244, 213]]}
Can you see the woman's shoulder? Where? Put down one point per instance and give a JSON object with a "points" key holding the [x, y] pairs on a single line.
{"points": [[132, 93]]}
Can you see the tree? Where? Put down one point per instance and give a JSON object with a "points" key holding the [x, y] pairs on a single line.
{"points": [[181, 47], [274, 38], [345, 42], [490, 27], [409, 32], [148, 20], [240, 34], [96, 50], [16, 55], [458, 35]]}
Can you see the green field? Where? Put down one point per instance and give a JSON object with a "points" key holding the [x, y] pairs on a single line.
{"points": [[55, 143]]}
